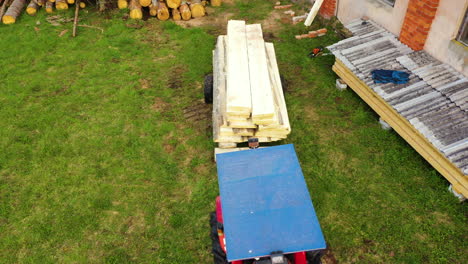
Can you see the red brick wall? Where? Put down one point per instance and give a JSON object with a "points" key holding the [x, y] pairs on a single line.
{"points": [[417, 23], [328, 8]]}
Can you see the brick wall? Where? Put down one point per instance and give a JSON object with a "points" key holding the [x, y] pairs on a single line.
{"points": [[417, 23], [328, 8]]}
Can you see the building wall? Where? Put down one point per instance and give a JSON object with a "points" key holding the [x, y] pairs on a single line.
{"points": [[444, 29], [389, 17]]}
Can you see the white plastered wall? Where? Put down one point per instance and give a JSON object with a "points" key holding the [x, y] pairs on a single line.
{"points": [[444, 30]]}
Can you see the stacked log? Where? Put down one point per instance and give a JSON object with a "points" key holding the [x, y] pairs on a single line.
{"points": [[32, 8], [49, 7], [164, 9], [135, 9], [14, 8], [61, 4], [122, 4], [13, 11], [247, 101], [10, 10]]}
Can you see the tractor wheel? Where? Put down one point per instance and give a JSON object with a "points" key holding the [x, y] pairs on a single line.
{"points": [[219, 256], [314, 257], [208, 89]]}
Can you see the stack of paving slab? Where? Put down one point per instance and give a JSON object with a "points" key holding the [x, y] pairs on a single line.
{"points": [[248, 99], [434, 101]]}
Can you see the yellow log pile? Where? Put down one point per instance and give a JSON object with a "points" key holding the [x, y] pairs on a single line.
{"points": [[10, 10], [165, 9]]}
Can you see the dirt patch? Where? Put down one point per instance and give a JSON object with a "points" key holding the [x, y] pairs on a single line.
{"points": [[175, 77], [144, 84], [216, 23], [442, 218], [168, 148], [274, 21], [310, 113], [329, 257], [198, 111], [135, 223], [159, 105]]}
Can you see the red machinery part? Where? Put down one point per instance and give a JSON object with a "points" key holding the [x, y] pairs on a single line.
{"points": [[219, 211], [300, 258]]}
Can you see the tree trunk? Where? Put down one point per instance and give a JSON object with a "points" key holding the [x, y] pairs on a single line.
{"points": [[163, 11], [185, 12], [145, 3], [122, 4], [197, 9], [173, 3], [135, 9], [215, 2], [49, 7], [176, 14], [32, 8], [61, 4], [13, 11]]}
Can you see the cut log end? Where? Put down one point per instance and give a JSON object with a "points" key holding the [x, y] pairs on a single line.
{"points": [[61, 6], [122, 4], [173, 3], [176, 14], [145, 3], [197, 10], [216, 2], [31, 11], [185, 12], [153, 10], [136, 14], [163, 12], [71, 2], [82, 5], [7, 20]]}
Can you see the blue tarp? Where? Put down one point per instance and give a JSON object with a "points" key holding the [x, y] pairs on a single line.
{"points": [[389, 76]]}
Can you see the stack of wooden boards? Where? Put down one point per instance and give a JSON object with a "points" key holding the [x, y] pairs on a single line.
{"points": [[248, 99], [10, 10], [164, 9]]}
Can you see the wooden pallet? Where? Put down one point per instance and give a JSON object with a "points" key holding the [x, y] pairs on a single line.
{"points": [[403, 127]]}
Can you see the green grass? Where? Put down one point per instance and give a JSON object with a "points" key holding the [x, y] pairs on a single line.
{"points": [[107, 152]]}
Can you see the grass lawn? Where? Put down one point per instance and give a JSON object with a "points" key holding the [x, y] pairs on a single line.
{"points": [[107, 155]]}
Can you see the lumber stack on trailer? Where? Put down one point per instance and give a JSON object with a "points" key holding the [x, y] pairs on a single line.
{"points": [[248, 99]]}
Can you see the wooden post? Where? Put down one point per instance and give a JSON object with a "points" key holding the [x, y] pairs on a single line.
{"points": [[75, 21]]}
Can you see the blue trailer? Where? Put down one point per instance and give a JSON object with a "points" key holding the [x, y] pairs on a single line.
{"points": [[264, 214]]}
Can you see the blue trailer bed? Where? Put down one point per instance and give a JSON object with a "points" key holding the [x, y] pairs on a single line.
{"points": [[266, 205]]}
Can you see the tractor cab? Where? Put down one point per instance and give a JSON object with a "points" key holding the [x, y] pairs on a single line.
{"points": [[264, 214]]}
